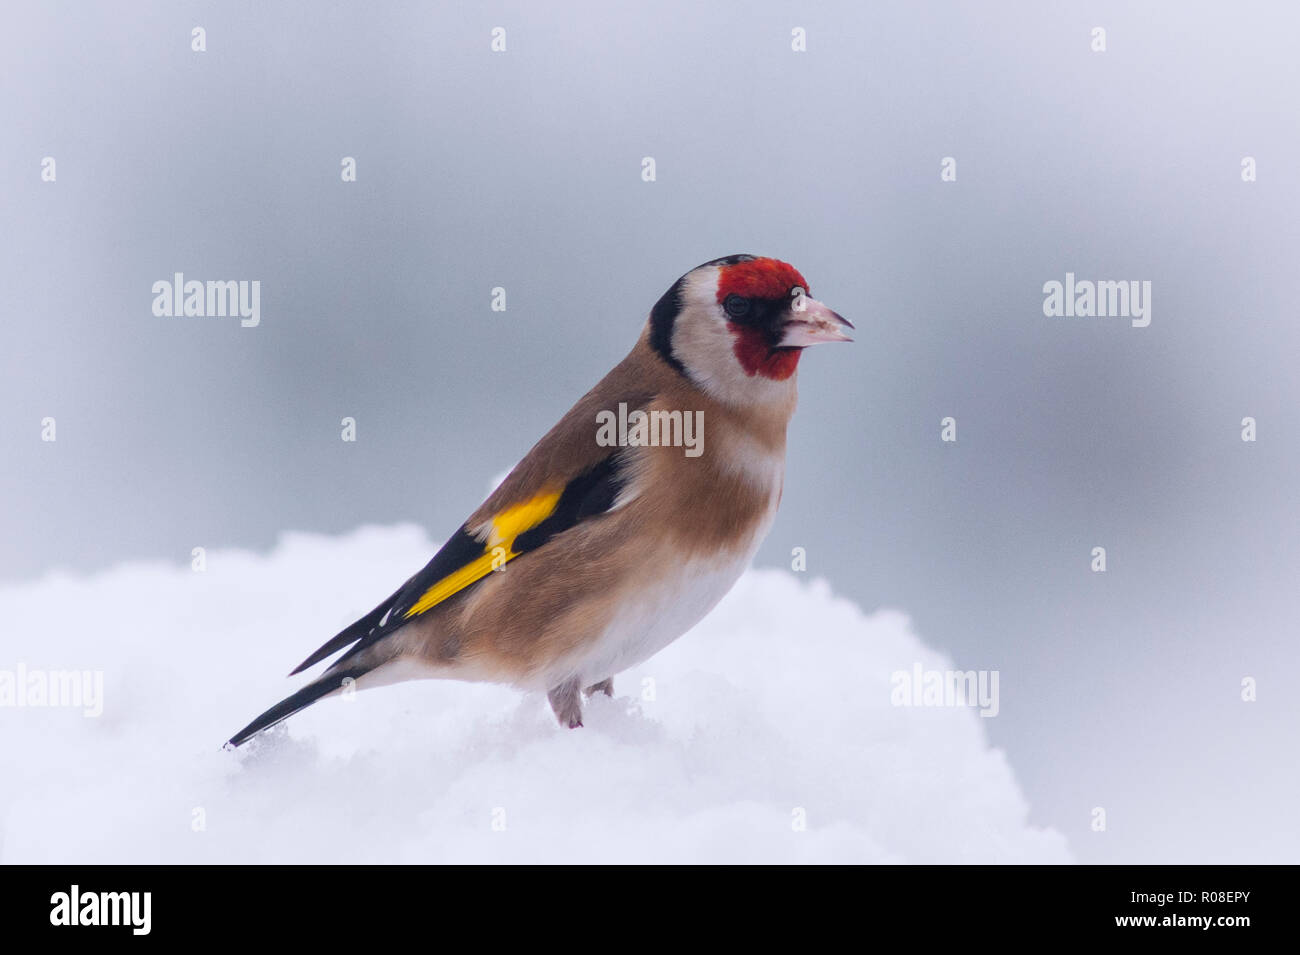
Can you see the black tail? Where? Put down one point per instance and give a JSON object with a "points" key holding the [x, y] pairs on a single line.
{"points": [[349, 634], [328, 683]]}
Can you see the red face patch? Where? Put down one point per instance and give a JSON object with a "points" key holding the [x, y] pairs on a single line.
{"points": [[768, 279], [757, 357], [760, 278]]}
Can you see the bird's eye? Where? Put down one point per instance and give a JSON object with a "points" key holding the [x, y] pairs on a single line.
{"points": [[736, 306]]}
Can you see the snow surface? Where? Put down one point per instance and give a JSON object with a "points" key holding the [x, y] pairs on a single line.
{"points": [[773, 710]]}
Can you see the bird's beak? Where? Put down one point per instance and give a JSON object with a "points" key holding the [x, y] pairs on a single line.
{"points": [[812, 323]]}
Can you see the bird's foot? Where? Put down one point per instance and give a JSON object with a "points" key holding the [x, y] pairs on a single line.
{"points": [[566, 702], [605, 686]]}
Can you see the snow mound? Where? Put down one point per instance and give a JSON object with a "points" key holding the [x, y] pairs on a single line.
{"points": [[764, 735]]}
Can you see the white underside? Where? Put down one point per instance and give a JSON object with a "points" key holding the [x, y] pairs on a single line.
{"points": [[657, 617], [669, 606]]}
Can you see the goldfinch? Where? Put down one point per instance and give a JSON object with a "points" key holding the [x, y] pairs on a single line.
{"points": [[625, 524]]}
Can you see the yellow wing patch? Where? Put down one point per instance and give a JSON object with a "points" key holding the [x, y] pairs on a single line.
{"points": [[503, 530], [513, 521]]}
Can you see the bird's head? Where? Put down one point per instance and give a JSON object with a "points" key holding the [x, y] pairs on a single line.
{"points": [[736, 326]]}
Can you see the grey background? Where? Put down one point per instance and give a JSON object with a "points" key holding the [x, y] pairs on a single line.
{"points": [[523, 170]]}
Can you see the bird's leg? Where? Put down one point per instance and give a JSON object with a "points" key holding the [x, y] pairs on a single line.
{"points": [[566, 701], [605, 686]]}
